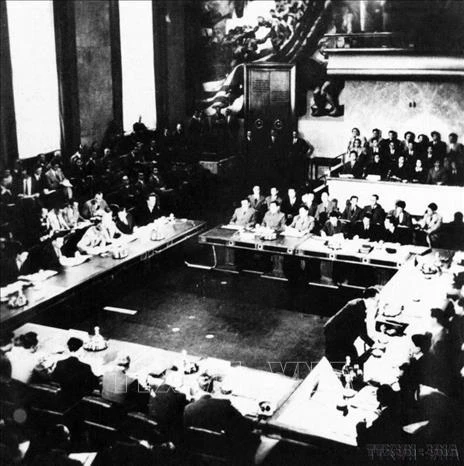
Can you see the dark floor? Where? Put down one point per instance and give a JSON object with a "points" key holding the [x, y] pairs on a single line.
{"points": [[251, 319], [235, 317]]}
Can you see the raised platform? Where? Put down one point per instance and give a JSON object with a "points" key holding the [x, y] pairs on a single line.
{"points": [[449, 199]]}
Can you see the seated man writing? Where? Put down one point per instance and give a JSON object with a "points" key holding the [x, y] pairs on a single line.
{"points": [[97, 238]]}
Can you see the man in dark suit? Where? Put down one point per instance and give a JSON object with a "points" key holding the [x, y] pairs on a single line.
{"points": [[402, 217], [392, 144], [298, 160], [342, 329], [75, 377], [352, 167], [290, 205], [166, 406], [388, 426], [148, 210], [25, 186], [218, 415], [366, 229], [6, 196], [16, 262], [258, 203], [274, 162], [352, 212], [399, 171], [377, 167], [390, 234], [439, 147], [376, 210]]}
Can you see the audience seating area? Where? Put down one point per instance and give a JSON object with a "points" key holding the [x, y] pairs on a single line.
{"points": [[411, 160]]}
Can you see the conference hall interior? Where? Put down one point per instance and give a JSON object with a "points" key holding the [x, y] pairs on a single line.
{"points": [[231, 232]]}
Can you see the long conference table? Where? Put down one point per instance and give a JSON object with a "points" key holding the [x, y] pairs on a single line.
{"points": [[312, 412], [309, 410], [62, 286], [245, 387], [388, 256]]}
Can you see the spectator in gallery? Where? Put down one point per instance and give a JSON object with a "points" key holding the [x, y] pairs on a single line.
{"points": [[303, 222], [376, 136], [410, 153], [348, 324], [244, 215], [438, 146], [393, 138], [419, 173], [431, 224], [373, 149], [355, 134], [332, 226], [274, 219], [437, 174], [392, 152], [453, 173], [360, 150], [429, 157], [456, 150], [422, 144], [409, 141], [377, 167], [400, 171], [353, 167], [352, 212]]}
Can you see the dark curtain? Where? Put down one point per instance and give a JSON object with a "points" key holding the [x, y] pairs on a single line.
{"points": [[8, 141], [116, 70], [160, 44], [65, 38]]}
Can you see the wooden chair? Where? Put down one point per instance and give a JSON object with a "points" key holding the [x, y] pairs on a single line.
{"points": [[48, 405], [207, 447], [100, 420], [139, 426]]}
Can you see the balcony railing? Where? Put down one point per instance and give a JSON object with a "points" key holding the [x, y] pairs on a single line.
{"points": [[366, 41]]}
